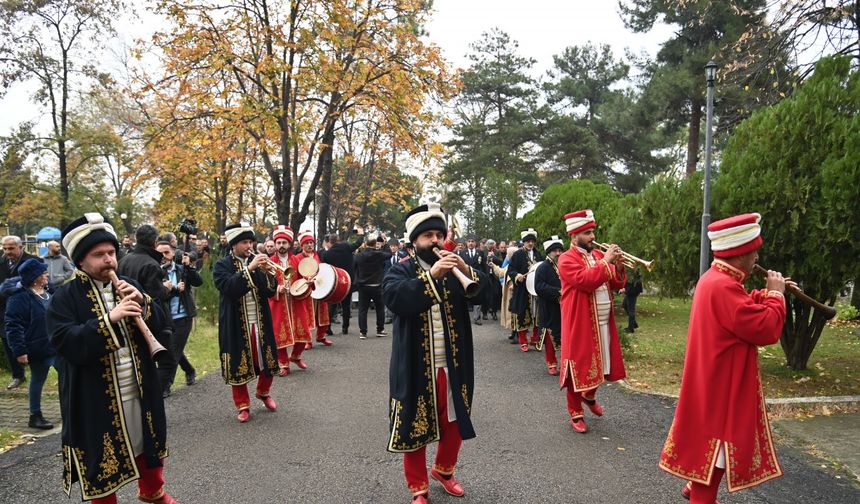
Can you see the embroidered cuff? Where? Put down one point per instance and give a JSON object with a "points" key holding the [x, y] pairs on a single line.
{"points": [[773, 293]]}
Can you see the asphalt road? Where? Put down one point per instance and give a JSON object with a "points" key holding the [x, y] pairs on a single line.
{"points": [[326, 443]]}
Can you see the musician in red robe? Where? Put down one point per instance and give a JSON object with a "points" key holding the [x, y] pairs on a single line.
{"points": [[720, 424], [321, 314], [590, 349], [303, 315], [281, 304]]}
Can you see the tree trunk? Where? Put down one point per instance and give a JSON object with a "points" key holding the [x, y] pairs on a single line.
{"points": [[693, 138], [855, 291], [324, 164], [803, 327]]}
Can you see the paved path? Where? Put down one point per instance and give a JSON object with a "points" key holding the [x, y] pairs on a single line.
{"points": [[327, 442]]}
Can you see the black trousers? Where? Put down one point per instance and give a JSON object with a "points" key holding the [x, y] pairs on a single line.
{"points": [[629, 305], [366, 294], [181, 332], [345, 311], [166, 362], [15, 366]]}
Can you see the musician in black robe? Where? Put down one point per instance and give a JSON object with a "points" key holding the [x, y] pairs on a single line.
{"points": [[522, 304], [245, 335], [114, 427], [431, 374], [548, 289]]}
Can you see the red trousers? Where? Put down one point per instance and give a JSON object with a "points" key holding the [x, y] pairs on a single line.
{"points": [[415, 463], [283, 357], [150, 485], [707, 494], [321, 332], [298, 348], [522, 336], [264, 380], [549, 349], [574, 399]]}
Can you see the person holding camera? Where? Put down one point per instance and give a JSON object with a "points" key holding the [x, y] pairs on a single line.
{"points": [[180, 307]]}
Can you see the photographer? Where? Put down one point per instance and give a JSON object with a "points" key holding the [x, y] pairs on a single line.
{"points": [[180, 305]]}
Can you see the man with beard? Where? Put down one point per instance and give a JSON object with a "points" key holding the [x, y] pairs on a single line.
{"points": [[114, 427], [721, 425], [522, 303], [431, 373], [281, 304], [548, 288], [590, 349], [245, 336]]}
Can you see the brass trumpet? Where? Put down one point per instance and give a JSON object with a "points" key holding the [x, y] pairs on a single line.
{"points": [[629, 260], [286, 270]]}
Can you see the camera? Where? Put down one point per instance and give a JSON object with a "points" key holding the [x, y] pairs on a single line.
{"points": [[188, 226]]}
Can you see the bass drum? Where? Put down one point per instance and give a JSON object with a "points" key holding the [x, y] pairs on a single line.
{"points": [[342, 286], [324, 282], [530, 279]]}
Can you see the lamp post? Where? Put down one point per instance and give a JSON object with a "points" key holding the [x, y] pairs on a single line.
{"points": [[704, 253]]}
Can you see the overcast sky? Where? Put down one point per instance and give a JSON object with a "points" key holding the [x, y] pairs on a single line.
{"points": [[542, 28]]}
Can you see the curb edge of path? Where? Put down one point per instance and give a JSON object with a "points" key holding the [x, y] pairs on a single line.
{"points": [[770, 401]]}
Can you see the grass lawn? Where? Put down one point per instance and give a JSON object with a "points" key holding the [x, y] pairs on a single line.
{"points": [[202, 351], [655, 357]]}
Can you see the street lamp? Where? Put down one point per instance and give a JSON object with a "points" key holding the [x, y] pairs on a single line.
{"points": [[704, 253]]}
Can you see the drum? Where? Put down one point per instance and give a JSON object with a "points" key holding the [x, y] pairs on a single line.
{"points": [[308, 267], [300, 289], [530, 279], [324, 282], [342, 286]]}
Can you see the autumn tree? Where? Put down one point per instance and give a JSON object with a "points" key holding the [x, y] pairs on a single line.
{"points": [[49, 43], [295, 68]]}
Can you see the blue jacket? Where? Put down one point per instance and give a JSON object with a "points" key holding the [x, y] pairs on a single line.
{"points": [[26, 327]]}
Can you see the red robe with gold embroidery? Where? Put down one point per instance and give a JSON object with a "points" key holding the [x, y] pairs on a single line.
{"points": [[721, 398], [580, 335], [303, 309], [281, 307], [321, 316]]}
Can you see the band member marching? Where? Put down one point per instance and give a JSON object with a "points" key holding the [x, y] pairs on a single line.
{"points": [[245, 336], [281, 304], [431, 373], [590, 349], [321, 313], [114, 428], [523, 316], [721, 424], [548, 288], [303, 318]]}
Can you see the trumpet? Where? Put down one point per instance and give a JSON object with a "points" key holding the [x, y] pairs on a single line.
{"points": [[470, 286], [155, 348], [286, 270], [629, 260]]}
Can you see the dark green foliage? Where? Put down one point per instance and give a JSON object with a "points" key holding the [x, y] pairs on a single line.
{"points": [[547, 217], [207, 296], [798, 164]]}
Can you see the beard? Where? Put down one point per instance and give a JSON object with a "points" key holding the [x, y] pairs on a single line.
{"points": [[282, 250], [427, 255]]}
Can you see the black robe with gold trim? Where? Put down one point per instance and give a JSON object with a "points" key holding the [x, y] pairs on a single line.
{"points": [[409, 292], [521, 304], [234, 331], [97, 448]]}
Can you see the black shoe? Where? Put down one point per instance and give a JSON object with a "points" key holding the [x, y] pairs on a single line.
{"points": [[191, 379], [165, 393], [494, 316], [484, 316], [478, 321], [362, 336], [344, 331], [37, 421], [329, 332], [380, 333], [628, 330], [513, 341]]}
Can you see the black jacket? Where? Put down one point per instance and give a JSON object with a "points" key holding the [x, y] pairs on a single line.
{"points": [[369, 265], [341, 255], [192, 279], [478, 262], [6, 273], [143, 265]]}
